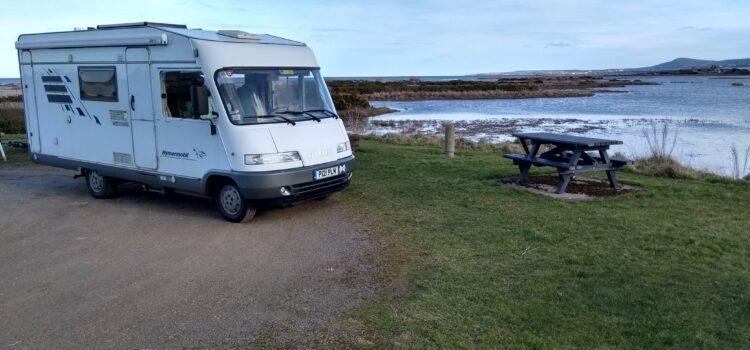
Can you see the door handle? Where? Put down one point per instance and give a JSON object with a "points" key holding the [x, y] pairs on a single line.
{"points": [[132, 103]]}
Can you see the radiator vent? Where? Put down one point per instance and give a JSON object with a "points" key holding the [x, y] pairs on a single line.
{"points": [[122, 158]]}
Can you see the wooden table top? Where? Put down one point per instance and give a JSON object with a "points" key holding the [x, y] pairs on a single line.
{"points": [[567, 139]]}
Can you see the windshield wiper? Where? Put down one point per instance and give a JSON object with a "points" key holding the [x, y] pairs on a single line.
{"points": [[307, 113], [277, 115], [327, 112]]}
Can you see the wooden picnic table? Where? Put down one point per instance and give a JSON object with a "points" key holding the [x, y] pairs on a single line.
{"points": [[570, 155]]}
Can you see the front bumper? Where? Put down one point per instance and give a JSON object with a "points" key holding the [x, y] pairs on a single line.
{"points": [[263, 188]]}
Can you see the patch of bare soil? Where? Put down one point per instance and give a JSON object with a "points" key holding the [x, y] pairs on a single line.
{"points": [[579, 188]]}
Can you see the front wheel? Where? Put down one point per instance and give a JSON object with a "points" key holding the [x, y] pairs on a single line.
{"points": [[232, 206], [99, 185]]}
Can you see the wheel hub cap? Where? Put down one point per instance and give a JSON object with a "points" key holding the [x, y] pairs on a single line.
{"points": [[231, 200], [96, 181]]}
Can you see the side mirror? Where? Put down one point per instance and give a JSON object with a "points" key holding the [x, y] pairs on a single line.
{"points": [[199, 98]]}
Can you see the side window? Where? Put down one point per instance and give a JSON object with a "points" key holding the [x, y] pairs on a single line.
{"points": [[176, 99], [98, 83]]}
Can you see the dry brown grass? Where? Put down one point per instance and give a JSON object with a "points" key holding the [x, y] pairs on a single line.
{"points": [[12, 118], [661, 140], [739, 162], [355, 119], [435, 140], [667, 167]]}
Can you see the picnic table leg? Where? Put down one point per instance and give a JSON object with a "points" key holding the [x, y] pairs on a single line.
{"points": [[534, 149], [611, 174], [525, 147], [565, 178], [523, 169], [564, 181], [612, 177]]}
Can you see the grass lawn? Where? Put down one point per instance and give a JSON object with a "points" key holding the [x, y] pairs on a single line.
{"points": [[470, 264], [16, 156]]}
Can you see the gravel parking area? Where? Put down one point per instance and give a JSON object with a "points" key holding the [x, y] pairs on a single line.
{"points": [[148, 271]]}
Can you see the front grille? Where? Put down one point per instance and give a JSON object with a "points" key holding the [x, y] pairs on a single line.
{"points": [[314, 188]]}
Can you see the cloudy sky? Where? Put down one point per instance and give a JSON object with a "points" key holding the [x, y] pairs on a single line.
{"points": [[431, 37]]}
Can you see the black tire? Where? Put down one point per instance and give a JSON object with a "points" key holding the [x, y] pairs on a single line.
{"points": [[100, 186], [231, 205]]}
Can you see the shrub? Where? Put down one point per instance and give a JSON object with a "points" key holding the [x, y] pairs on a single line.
{"points": [[12, 120], [16, 98], [355, 119], [344, 101]]}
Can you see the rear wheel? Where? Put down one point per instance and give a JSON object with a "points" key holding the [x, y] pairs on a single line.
{"points": [[99, 185], [232, 206]]}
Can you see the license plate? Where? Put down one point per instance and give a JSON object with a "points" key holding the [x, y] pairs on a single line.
{"points": [[328, 172]]}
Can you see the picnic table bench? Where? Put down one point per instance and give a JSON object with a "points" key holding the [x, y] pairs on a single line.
{"points": [[570, 155]]}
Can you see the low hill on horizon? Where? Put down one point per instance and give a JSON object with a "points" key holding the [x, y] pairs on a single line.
{"points": [[691, 63], [682, 63]]}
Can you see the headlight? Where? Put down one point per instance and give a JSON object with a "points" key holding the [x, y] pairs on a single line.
{"points": [[271, 158], [342, 147]]}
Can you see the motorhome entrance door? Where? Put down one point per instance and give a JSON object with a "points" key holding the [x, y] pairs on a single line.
{"points": [[141, 107]]}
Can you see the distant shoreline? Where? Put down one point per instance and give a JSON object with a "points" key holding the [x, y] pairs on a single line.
{"points": [[356, 91], [10, 90]]}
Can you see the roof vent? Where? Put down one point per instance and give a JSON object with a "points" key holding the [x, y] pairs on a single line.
{"points": [[238, 34]]}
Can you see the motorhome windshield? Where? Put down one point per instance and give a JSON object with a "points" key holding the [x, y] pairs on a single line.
{"points": [[255, 96]]}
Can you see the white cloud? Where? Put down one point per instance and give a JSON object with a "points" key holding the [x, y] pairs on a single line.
{"points": [[439, 37]]}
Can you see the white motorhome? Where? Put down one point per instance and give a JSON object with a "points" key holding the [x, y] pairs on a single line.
{"points": [[245, 119]]}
